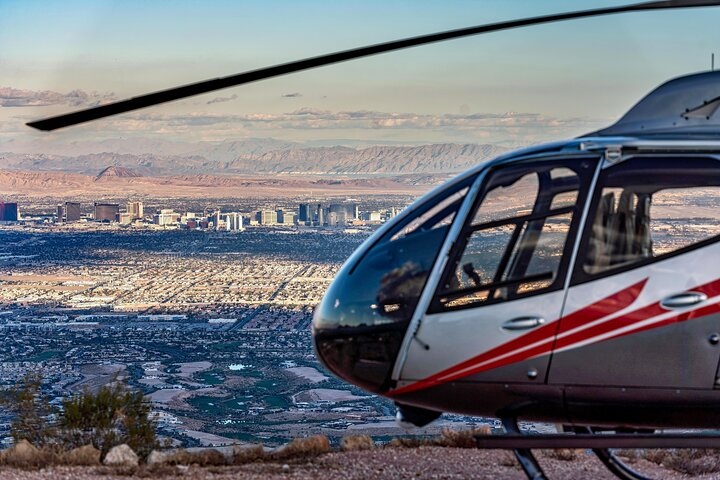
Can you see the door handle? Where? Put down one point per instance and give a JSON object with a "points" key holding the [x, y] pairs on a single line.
{"points": [[523, 323], [682, 300]]}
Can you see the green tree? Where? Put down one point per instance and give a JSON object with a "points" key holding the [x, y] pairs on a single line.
{"points": [[34, 418], [109, 417]]}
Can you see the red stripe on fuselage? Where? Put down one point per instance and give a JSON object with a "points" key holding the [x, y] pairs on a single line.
{"points": [[545, 334]]}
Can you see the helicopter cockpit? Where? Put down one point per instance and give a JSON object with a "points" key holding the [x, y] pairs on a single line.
{"points": [[361, 323]]}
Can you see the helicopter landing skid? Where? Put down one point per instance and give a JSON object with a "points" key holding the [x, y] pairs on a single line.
{"points": [[599, 443]]}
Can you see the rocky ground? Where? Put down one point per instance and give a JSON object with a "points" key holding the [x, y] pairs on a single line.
{"points": [[380, 463]]}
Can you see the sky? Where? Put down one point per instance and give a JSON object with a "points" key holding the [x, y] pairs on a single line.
{"points": [[513, 88]]}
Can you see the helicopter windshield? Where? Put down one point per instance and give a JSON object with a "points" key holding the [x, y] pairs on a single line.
{"points": [[385, 284], [514, 243]]}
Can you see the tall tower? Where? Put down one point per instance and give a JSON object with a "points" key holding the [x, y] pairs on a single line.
{"points": [[72, 211], [136, 210]]}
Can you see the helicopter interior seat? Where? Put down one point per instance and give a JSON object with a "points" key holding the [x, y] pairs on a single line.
{"points": [[621, 234], [599, 249]]}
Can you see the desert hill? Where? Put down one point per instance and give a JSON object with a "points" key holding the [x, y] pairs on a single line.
{"points": [[116, 172]]}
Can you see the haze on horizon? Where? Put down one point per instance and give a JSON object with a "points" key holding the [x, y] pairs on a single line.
{"points": [[511, 88]]}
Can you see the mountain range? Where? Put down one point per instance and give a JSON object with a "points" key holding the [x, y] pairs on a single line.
{"points": [[257, 156]]}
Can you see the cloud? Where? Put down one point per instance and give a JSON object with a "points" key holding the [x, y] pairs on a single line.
{"points": [[14, 97], [517, 128], [292, 95], [221, 99]]}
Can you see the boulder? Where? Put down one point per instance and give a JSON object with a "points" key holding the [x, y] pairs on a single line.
{"points": [[121, 456]]}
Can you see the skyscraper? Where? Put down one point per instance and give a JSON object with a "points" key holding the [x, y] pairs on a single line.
{"points": [[320, 215], [304, 214], [60, 214], [9, 212], [268, 217], [338, 214], [233, 221], [136, 209], [106, 212], [216, 220], [72, 211]]}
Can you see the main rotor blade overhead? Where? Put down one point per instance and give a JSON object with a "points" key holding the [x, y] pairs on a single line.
{"points": [[163, 96]]}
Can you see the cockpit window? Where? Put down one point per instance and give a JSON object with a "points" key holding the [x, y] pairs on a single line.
{"points": [[647, 208], [438, 216], [514, 243], [383, 287]]}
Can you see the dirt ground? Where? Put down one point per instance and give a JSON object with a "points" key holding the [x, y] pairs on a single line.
{"points": [[386, 463]]}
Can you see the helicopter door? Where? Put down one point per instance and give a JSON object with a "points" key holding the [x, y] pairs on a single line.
{"points": [[492, 316], [643, 307]]}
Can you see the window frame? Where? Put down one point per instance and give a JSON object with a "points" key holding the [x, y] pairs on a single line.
{"points": [[580, 276], [427, 205], [460, 243]]}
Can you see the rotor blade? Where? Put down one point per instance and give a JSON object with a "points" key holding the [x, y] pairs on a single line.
{"points": [[135, 103]]}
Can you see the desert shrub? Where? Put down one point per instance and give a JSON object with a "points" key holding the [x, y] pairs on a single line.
{"points": [[693, 461], [448, 438], [34, 417], [300, 448], [203, 458], [248, 454], [25, 455], [111, 416], [461, 438], [410, 442], [351, 443], [85, 456]]}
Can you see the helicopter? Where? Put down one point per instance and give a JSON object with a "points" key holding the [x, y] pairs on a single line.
{"points": [[574, 282]]}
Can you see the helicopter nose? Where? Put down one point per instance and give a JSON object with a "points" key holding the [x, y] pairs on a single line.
{"points": [[360, 324], [363, 356]]}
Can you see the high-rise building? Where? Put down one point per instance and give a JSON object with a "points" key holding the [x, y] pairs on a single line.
{"points": [[233, 221], [9, 212], [106, 212], [216, 219], [288, 218], [337, 215], [166, 217], [72, 211], [320, 214], [304, 213], [136, 210], [60, 214], [268, 217]]}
